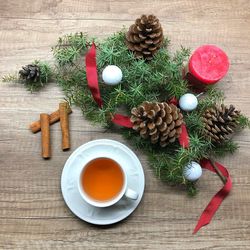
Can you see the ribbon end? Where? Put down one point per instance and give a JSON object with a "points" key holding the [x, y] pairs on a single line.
{"points": [[196, 230], [216, 201], [199, 226]]}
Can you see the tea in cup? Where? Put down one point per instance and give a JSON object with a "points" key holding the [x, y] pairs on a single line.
{"points": [[103, 182]]}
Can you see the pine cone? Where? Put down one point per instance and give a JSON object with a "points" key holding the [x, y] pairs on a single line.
{"points": [[145, 37], [30, 72], [220, 122], [159, 121]]}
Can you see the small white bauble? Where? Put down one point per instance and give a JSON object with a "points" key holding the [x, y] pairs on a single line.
{"points": [[188, 102], [192, 171], [112, 75]]}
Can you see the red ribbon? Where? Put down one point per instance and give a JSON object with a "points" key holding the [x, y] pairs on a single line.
{"points": [[184, 138], [216, 201], [91, 73], [174, 101], [122, 120]]}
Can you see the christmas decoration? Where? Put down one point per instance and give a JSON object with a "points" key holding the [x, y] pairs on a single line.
{"points": [[159, 121], [91, 75], [145, 37], [218, 198], [112, 75], [188, 102], [149, 119], [35, 75], [207, 65], [155, 82], [192, 171], [220, 122], [30, 72]]}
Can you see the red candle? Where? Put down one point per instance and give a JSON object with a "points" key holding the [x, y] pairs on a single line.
{"points": [[207, 65]]}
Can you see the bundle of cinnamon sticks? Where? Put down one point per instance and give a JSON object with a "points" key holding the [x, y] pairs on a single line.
{"points": [[43, 125]]}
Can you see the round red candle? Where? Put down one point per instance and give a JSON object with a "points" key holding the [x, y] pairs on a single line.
{"points": [[208, 64]]}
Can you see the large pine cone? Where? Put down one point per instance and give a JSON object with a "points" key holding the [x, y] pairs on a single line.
{"points": [[159, 121], [30, 72], [220, 122], [145, 37]]}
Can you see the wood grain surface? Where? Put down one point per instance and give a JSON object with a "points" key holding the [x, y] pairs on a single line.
{"points": [[33, 214]]}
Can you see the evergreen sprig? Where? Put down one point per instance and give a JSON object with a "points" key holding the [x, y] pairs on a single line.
{"points": [[10, 78], [45, 76], [152, 81], [70, 47], [157, 80], [243, 121]]}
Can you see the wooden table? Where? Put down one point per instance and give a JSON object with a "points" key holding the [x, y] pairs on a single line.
{"points": [[33, 214]]}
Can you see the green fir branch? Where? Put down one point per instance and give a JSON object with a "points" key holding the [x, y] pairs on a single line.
{"points": [[194, 122], [45, 72], [227, 147], [45, 76], [243, 121], [70, 47], [157, 80], [212, 97], [10, 78]]}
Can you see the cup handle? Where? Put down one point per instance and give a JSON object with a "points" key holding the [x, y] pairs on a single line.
{"points": [[131, 194]]}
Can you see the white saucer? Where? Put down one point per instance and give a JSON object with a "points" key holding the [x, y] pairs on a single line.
{"points": [[72, 167]]}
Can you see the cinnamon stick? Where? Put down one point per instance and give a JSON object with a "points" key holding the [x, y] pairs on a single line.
{"points": [[64, 122], [44, 120], [53, 117]]}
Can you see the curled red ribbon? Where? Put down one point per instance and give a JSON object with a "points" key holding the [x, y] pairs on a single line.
{"points": [[91, 74], [216, 201]]}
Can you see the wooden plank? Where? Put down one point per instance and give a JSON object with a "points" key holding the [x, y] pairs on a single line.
{"points": [[186, 10]]}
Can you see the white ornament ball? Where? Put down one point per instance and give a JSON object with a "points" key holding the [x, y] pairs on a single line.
{"points": [[192, 171], [112, 75], [188, 102]]}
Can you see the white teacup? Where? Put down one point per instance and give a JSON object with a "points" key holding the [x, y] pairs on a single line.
{"points": [[125, 191]]}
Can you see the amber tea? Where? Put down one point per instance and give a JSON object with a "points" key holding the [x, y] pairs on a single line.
{"points": [[102, 179]]}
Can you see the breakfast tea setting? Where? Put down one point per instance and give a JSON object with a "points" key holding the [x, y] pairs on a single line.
{"points": [[102, 182], [168, 105]]}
